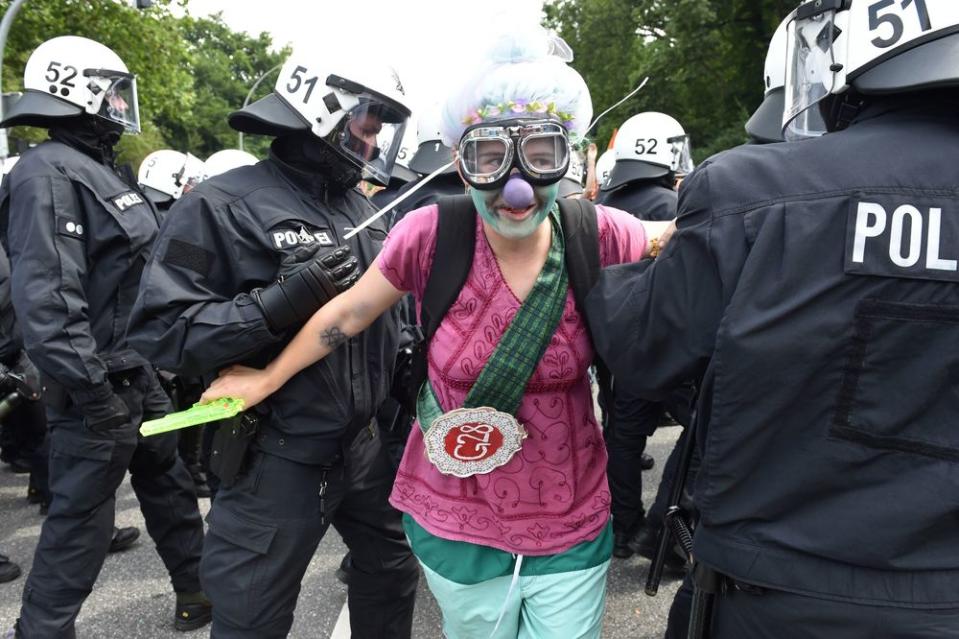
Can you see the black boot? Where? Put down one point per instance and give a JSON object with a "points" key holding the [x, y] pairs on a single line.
{"points": [[646, 543], [193, 610], [343, 572], [8, 570], [123, 538], [647, 462], [621, 547]]}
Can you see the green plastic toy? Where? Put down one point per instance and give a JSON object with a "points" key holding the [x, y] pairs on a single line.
{"points": [[198, 414]]}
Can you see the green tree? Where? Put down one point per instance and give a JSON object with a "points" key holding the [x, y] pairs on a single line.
{"points": [[225, 65], [704, 59], [191, 72], [149, 42]]}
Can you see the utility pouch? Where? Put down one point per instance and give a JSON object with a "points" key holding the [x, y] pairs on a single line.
{"points": [[231, 446]]}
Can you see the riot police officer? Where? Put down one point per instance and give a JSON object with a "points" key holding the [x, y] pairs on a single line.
{"points": [[242, 261], [650, 149], [814, 285], [165, 175], [78, 235], [431, 155]]}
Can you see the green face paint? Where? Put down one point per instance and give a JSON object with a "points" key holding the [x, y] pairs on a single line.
{"points": [[485, 202]]}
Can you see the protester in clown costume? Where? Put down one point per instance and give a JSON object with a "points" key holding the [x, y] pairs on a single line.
{"points": [[520, 492]]}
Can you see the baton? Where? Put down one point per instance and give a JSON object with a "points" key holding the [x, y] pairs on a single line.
{"points": [[386, 209], [218, 409]]}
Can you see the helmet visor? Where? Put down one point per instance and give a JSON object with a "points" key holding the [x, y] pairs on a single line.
{"points": [[119, 103], [682, 159], [371, 136], [809, 74]]}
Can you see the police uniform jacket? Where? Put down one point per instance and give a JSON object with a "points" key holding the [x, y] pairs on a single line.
{"points": [[195, 314], [78, 237], [644, 199], [10, 341], [815, 285]]}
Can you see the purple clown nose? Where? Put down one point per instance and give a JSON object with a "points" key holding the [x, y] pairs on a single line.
{"points": [[518, 194]]}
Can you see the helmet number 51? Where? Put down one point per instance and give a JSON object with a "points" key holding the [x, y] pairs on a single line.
{"points": [[297, 81], [893, 20]]}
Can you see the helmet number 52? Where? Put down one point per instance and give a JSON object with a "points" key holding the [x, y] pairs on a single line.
{"points": [[894, 21], [53, 74], [643, 149], [297, 82]]}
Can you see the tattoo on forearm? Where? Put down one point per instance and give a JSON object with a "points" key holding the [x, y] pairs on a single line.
{"points": [[332, 337]]}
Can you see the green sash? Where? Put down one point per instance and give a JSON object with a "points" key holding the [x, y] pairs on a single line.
{"points": [[502, 382]]}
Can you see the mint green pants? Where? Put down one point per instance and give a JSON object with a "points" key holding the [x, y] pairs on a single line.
{"points": [[566, 605]]}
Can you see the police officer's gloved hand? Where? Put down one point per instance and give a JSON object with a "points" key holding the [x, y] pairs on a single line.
{"points": [[304, 287], [26, 378], [102, 409]]}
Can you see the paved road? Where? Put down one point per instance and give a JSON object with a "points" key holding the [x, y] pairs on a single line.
{"points": [[133, 599]]}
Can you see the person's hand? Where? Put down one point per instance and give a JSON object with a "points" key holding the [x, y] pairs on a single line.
{"points": [[251, 385], [667, 235]]}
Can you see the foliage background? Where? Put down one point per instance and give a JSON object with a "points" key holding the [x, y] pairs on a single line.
{"points": [[191, 72], [704, 59]]}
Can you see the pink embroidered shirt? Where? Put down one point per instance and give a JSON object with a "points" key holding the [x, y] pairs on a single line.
{"points": [[553, 494]]}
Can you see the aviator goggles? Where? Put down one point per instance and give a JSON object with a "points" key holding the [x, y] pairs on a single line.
{"points": [[538, 148]]}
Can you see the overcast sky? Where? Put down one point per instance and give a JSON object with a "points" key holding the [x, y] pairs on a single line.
{"points": [[421, 38]]}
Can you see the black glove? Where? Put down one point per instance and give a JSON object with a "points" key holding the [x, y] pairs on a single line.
{"points": [[102, 409], [304, 287], [23, 377]]}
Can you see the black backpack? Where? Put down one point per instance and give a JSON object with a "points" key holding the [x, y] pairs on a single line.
{"points": [[455, 237]]}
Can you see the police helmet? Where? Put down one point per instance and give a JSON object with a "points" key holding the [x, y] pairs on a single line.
{"points": [[226, 160], [572, 182], [431, 153], [604, 166], [765, 125], [355, 103], [840, 50], [69, 76], [167, 174], [649, 145]]}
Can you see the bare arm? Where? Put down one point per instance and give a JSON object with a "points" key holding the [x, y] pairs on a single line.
{"points": [[660, 231], [348, 314]]}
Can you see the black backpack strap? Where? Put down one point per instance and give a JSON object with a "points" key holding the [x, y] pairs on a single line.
{"points": [[581, 231], [455, 245]]}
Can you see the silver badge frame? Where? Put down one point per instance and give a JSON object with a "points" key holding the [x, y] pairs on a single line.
{"points": [[435, 440]]}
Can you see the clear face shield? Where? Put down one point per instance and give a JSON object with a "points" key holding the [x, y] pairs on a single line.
{"points": [[118, 93], [809, 74], [538, 148], [371, 135], [682, 162]]}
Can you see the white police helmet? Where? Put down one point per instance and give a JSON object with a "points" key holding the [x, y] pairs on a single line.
{"points": [[68, 76], [837, 47], [649, 145], [226, 160], [604, 166], [431, 153], [401, 166], [765, 125], [167, 174], [572, 182], [355, 103]]}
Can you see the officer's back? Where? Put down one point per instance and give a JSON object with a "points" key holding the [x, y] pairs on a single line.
{"points": [[843, 320]]}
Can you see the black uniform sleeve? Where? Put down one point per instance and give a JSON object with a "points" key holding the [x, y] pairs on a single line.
{"points": [[10, 342], [661, 322], [49, 267], [194, 314]]}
